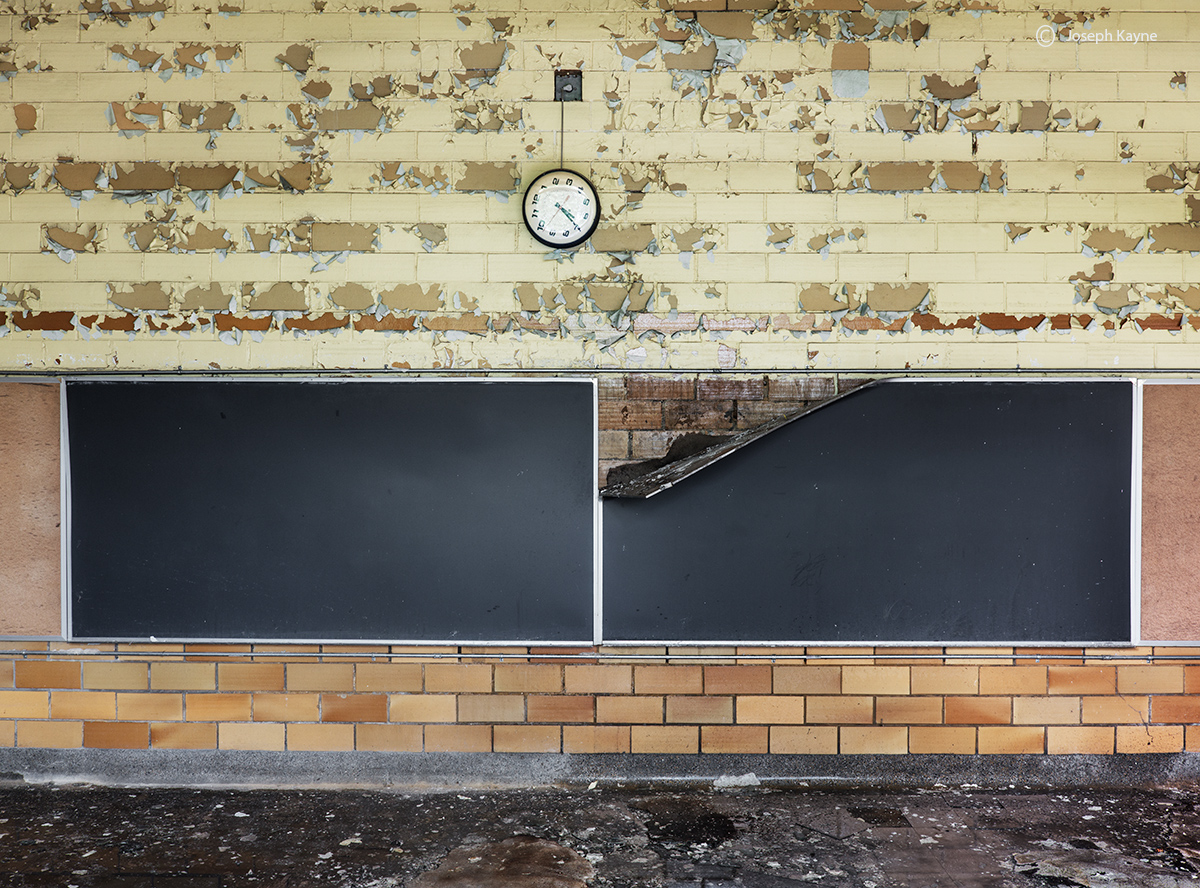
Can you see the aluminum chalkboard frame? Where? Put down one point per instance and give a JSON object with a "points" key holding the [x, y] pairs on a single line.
{"points": [[991, 512], [376, 511]]}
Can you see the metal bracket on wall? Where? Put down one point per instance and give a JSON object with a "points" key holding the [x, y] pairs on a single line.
{"points": [[568, 85]]}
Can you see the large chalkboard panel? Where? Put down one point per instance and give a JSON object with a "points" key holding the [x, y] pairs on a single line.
{"points": [[416, 510], [908, 511]]}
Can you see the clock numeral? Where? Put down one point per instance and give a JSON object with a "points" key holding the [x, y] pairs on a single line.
{"points": [[586, 201], [570, 181], [555, 180]]}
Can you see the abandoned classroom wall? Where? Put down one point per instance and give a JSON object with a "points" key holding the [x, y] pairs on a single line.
{"points": [[233, 184]]}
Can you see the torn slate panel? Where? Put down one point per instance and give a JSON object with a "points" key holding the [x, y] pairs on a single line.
{"points": [[983, 512], [688, 455]]}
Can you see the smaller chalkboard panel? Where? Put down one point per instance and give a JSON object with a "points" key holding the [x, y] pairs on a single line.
{"points": [[908, 511], [319, 510]]}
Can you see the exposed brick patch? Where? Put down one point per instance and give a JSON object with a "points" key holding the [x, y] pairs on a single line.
{"points": [[699, 414], [660, 388], [718, 388]]}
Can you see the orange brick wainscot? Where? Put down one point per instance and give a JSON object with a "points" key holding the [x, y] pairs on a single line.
{"points": [[815, 701]]}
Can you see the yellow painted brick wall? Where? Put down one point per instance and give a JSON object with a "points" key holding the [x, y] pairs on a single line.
{"points": [[727, 700], [216, 184]]}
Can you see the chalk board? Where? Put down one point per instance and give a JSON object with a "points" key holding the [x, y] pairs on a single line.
{"points": [[367, 510], [908, 511]]}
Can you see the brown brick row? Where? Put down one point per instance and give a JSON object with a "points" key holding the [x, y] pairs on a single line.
{"points": [[629, 708], [962, 677], [644, 738]]}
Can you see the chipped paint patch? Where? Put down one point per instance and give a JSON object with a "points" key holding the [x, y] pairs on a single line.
{"points": [[626, 239], [298, 58], [26, 118], [494, 178], [149, 296], [68, 240], [431, 234], [281, 296], [488, 117], [412, 297]]}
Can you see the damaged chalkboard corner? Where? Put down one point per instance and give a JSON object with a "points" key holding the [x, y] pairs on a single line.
{"points": [[693, 452]]}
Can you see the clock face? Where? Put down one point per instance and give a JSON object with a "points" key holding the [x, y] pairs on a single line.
{"points": [[561, 208]]}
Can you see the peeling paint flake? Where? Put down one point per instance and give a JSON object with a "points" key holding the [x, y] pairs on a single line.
{"points": [[353, 297], [965, 176], [897, 297], [412, 297], [135, 118], [360, 117], [150, 296], [821, 297], [281, 296], [25, 117], [621, 296], [494, 178], [298, 58], [377, 87], [780, 236], [1177, 236], [67, 240], [337, 237], [317, 91], [138, 58], [201, 298], [897, 118], [622, 239], [635, 53], [941, 88], [481, 62], [1109, 240], [432, 235], [133, 182], [484, 117], [900, 176], [18, 177], [80, 178]]}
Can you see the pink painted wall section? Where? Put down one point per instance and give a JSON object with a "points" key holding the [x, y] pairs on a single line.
{"points": [[30, 596], [1171, 513]]}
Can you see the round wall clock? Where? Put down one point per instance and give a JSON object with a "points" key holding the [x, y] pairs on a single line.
{"points": [[561, 208]]}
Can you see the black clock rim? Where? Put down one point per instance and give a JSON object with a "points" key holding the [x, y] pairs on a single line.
{"points": [[563, 246]]}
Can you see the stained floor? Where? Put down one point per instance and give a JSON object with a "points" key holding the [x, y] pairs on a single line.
{"points": [[632, 837]]}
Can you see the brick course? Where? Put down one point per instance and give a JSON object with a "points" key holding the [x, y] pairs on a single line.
{"points": [[552, 704]]}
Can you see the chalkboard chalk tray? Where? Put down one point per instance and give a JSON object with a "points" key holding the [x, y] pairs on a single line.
{"points": [[909, 511], [418, 510]]}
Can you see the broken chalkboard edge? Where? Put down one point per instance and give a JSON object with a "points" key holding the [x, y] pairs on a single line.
{"points": [[660, 478]]}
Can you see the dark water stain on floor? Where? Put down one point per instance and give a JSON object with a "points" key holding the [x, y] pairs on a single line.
{"points": [[613, 837]]}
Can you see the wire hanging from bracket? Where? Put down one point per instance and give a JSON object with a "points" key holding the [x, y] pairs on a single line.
{"points": [[568, 87]]}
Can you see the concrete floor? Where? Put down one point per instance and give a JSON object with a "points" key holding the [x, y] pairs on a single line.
{"points": [[632, 835]]}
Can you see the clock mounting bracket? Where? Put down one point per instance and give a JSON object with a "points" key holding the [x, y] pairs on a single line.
{"points": [[568, 85]]}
